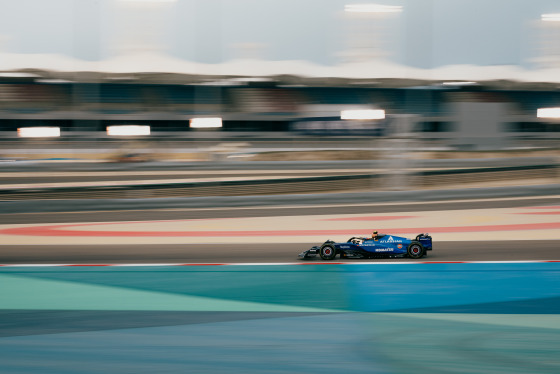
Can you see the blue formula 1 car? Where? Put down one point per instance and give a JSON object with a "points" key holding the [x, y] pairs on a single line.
{"points": [[380, 247]]}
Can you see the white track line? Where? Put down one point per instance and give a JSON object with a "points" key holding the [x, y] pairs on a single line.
{"points": [[280, 263]]}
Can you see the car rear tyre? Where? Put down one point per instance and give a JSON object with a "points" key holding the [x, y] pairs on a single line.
{"points": [[327, 252], [415, 250]]}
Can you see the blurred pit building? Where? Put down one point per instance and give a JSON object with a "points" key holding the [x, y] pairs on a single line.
{"points": [[367, 95], [467, 115]]}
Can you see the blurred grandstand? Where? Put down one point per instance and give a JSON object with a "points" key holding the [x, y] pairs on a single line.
{"points": [[491, 114], [456, 107]]}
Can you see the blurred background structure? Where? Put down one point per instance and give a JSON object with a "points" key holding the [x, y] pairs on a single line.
{"points": [[189, 81], [136, 77]]}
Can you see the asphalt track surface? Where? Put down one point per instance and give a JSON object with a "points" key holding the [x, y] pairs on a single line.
{"points": [[515, 249], [277, 211], [37, 173], [542, 250], [165, 176]]}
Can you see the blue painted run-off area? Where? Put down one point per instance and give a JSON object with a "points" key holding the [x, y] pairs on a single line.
{"points": [[504, 288], [252, 319], [510, 288]]}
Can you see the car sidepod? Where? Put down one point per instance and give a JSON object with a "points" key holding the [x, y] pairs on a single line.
{"points": [[386, 245]]}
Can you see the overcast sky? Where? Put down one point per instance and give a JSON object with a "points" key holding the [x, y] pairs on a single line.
{"points": [[427, 34]]}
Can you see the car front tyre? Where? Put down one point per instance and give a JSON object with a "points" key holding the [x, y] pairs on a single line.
{"points": [[415, 250], [327, 252]]}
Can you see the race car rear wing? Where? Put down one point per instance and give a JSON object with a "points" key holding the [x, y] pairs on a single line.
{"points": [[425, 240]]}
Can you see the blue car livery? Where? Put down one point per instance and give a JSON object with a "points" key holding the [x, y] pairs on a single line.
{"points": [[383, 245]]}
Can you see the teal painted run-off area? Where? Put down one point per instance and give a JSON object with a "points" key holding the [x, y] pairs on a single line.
{"points": [[380, 318]]}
